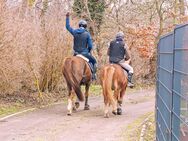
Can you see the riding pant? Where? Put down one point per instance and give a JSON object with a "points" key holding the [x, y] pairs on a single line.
{"points": [[126, 66]]}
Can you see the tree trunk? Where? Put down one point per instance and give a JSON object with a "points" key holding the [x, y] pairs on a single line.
{"points": [[182, 7]]}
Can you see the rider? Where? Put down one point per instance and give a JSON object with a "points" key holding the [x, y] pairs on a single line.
{"points": [[82, 42], [118, 54]]}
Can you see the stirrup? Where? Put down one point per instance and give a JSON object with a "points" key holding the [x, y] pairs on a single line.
{"points": [[131, 85], [94, 77]]}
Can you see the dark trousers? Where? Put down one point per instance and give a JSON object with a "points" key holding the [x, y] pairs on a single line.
{"points": [[91, 58]]}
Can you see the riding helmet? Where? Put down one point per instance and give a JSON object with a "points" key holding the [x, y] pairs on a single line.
{"points": [[120, 34], [82, 23]]}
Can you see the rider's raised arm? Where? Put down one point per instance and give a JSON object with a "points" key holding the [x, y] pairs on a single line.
{"points": [[68, 27]]}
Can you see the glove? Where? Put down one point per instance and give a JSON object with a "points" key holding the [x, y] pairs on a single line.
{"points": [[67, 15]]}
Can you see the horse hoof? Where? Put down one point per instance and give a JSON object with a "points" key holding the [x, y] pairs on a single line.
{"points": [[114, 112], [77, 105], [86, 107], [119, 111], [106, 116], [74, 109], [69, 114]]}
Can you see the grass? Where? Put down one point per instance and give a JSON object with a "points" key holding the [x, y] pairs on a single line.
{"points": [[96, 90], [133, 130], [10, 109]]}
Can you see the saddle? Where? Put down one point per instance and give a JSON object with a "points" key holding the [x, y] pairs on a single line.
{"points": [[87, 60], [83, 57], [124, 70]]}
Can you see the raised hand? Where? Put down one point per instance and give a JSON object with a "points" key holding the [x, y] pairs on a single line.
{"points": [[68, 14]]}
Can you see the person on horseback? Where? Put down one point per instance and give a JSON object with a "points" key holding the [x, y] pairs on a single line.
{"points": [[118, 54], [82, 43]]}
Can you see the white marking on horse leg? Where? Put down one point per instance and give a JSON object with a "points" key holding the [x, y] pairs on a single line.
{"points": [[106, 114], [69, 107]]}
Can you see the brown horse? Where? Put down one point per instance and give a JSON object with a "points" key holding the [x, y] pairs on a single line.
{"points": [[76, 72], [114, 82]]}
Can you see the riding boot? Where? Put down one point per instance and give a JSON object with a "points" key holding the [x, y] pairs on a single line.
{"points": [[94, 77], [130, 83]]}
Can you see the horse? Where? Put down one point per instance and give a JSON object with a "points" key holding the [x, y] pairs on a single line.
{"points": [[113, 79], [76, 72]]}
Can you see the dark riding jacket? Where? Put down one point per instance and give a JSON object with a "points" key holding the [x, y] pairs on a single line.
{"points": [[82, 39], [117, 51]]}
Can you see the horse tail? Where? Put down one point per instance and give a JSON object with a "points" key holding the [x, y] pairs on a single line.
{"points": [[107, 83], [76, 83], [71, 78]]}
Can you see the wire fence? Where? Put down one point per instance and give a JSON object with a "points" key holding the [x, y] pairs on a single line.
{"points": [[172, 86]]}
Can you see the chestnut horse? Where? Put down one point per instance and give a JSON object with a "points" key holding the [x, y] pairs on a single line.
{"points": [[114, 82], [76, 72]]}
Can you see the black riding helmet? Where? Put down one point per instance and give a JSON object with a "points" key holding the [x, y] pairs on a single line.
{"points": [[82, 23]]}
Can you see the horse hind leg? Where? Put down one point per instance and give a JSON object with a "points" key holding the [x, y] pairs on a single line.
{"points": [[119, 108], [70, 103], [120, 101], [106, 113], [69, 107], [106, 109], [108, 101], [114, 107], [76, 105], [86, 107], [114, 102]]}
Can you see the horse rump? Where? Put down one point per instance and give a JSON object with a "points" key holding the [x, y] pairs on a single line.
{"points": [[71, 78]]}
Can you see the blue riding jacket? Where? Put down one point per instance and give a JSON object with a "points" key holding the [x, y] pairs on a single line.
{"points": [[82, 39]]}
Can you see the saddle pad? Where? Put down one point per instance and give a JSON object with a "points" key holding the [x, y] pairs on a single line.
{"points": [[125, 72], [83, 57]]}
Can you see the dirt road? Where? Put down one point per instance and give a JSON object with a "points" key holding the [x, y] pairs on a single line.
{"points": [[52, 123]]}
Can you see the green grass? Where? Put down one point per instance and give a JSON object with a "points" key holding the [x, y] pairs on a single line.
{"points": [[133, 130], [96, 90], [9, 109]]}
